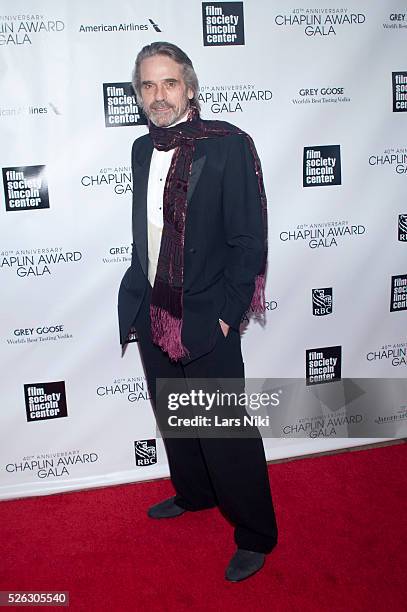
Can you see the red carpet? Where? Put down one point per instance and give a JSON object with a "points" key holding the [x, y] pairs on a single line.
{"points": [[342, 521]]}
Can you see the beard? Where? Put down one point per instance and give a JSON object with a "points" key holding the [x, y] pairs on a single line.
{"points": [[163, 114]]}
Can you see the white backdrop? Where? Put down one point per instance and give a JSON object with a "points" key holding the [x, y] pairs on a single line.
{"points": [[309, 75]]}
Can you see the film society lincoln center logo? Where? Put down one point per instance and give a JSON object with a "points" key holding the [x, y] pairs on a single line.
{"points": [[25, 188], [121, 107], [45, 401], [322, 166], [146, 452], [323, 365], [222, 23], [399, 80], [398, 293]]}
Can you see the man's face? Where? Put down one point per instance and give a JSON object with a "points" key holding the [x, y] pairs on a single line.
{"points": [[163, 91]]}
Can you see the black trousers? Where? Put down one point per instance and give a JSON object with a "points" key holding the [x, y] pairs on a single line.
{"points": [[228, 472]]}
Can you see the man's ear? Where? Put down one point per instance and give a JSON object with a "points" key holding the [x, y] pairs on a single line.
{"points": [[190, 93]]}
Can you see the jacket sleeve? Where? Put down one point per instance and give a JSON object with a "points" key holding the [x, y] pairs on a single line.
{"points": [[243, 227]]}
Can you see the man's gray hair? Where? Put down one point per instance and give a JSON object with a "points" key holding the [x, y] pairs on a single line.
{"points": [[176, 54]]}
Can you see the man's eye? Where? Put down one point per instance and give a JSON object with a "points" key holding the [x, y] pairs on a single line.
{"points": [[171, 84]]}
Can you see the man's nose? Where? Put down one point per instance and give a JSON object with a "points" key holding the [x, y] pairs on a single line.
{"points": [[160, 92]]}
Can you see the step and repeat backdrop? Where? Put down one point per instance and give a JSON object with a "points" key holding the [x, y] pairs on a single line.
{"points": [[322, 88]]}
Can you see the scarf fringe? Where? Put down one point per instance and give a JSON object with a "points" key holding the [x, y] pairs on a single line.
{"points": [[166, 332], [258, 303]]}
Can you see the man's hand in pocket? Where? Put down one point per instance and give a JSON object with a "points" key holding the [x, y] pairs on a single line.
{"points": [[224, 327]]}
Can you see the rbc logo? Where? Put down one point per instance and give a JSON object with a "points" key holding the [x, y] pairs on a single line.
{"points": [[402, 227], [322, 301], [146, 452]]}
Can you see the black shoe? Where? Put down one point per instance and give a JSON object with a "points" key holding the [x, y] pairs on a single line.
{"points": [[243, 564], [165, 509]]}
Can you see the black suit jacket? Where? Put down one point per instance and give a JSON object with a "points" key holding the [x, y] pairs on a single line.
{"points": [[224, 240]]}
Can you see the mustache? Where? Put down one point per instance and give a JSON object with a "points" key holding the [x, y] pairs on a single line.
{"points": [[160, 106]]}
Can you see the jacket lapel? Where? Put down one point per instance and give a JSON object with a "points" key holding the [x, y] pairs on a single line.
{"points": [[197, 166], [140, 184]]}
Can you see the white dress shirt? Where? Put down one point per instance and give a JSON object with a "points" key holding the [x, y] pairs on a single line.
{"points": [[159, 166]]}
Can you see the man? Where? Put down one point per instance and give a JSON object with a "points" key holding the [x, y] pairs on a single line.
{"points": [[198, 264]]}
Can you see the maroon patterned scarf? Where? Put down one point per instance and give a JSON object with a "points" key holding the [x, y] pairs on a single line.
{"points": [[166, 300]]}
